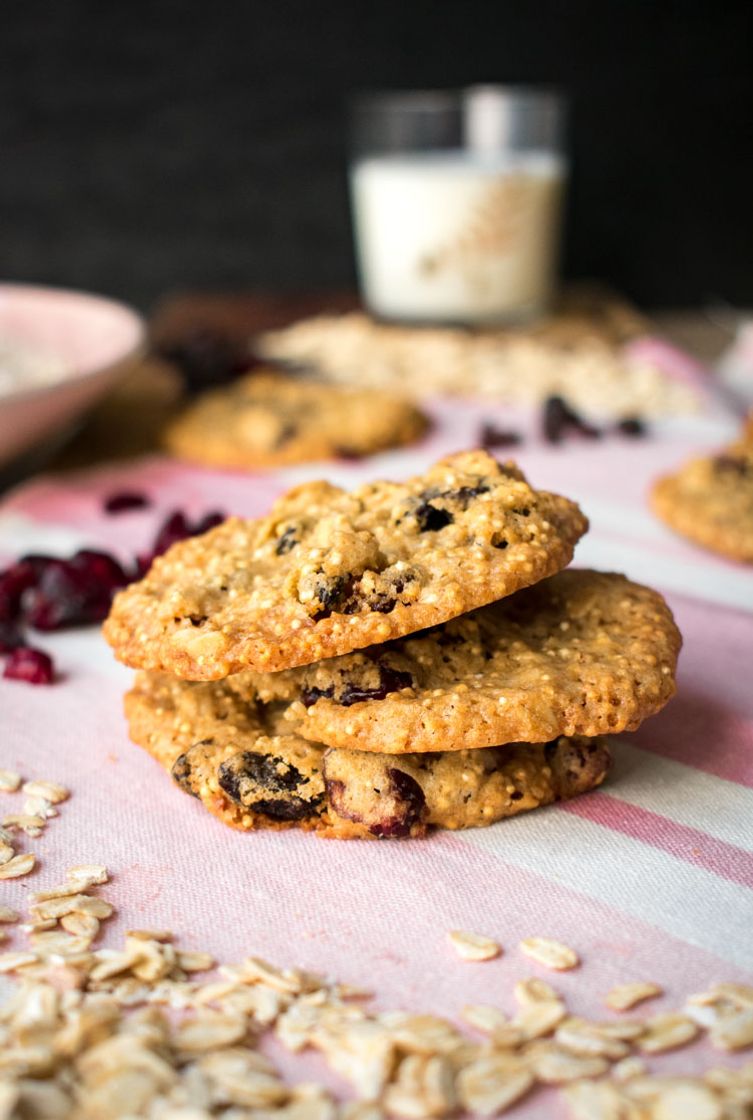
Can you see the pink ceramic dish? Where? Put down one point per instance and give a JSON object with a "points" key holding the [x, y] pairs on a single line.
{"points": [[93, 338]]}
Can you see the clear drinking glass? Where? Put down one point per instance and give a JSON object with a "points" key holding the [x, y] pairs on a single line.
{"points": [[456, 199]]}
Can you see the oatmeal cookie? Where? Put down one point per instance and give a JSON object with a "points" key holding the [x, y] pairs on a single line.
{"points": [[231, 755], [329, 571], [710, 500], [582, 362], [582, 653], [269, 420]]}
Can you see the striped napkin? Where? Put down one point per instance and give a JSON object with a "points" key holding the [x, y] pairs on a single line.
{"points": [[650, 877]]}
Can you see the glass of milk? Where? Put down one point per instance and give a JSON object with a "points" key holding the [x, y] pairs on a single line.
{"points": [[456, 199]]}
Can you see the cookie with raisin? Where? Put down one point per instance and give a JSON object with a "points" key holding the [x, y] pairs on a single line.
{"points": [[710, 499], [266, 419], [581, 653], [329, 571], [250, 772]]}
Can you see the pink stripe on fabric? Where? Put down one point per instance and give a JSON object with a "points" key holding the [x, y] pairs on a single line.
{"points": [[675, 363], [681, 841]]}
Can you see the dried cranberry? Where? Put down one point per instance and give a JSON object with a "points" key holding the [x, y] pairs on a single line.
{"points": [[208, 521], [74, 592], [38, 561], [390, 680], [464, 495], [733, 464], [287, 542], [388, 809], [123, 500], [100, 567], [334, 593], [30, 665], [407, 790], [269, 784], [176, 527], [631, 426], [310, 696], [14, 581], [559, 418], [492, 436], [431, 518], [10, 637], [207, 357], [181, 774]]}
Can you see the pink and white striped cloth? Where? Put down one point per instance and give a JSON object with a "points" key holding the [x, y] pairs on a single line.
{"points": [[650, 877]]}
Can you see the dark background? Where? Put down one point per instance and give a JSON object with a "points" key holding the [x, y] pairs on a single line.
{"points": [[149, 147]]}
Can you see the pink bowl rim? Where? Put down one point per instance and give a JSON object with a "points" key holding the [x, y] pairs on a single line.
{"points": [[136, 347]]}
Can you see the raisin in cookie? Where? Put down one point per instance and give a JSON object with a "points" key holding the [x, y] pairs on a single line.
{"points": [[710, 500], [268, 420], [329, 571], [582, 653], [231, 755]]}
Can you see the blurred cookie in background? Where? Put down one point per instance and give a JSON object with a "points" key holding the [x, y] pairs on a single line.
{"points": [[268, 419]]}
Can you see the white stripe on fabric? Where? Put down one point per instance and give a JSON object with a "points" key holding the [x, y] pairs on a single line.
{"points": [[625, 519], [629, 875], [731, 588], [19, 533], [682, 794]]}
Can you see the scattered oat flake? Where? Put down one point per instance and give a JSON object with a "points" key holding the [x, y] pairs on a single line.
{"points": [[628, 1068], [9, 962], [18, 866], [472, 946], [666, 1032], [557, 1067], [9, 915], [491, 1085], [39, 807], [31, 825], [150, 934], [741, 994], [586, 1040], [10, 781], [624, 996], [88, 874], [733, 1032], [534, 990], [539, 1019], [83, 925], [690, 1101], [210, 1031], [196, 962], [73, 904], [49, 791], [549, 953], [595, 1100], [484, 1017]]}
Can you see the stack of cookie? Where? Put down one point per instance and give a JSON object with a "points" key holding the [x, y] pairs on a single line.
{"points": [[377, 662]]}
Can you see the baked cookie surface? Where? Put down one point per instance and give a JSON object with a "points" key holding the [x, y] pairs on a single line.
{"points": [[231, 755], [329, 571], [710, 500], [269, 420], [581, 653]]}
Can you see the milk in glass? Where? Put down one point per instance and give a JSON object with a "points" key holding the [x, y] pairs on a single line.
{"points": [[457, 235]]}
